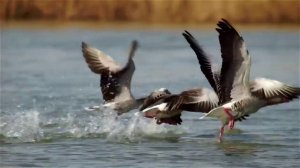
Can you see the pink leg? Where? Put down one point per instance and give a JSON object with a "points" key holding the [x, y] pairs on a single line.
{"points": [[221, 134], [231, 118]]}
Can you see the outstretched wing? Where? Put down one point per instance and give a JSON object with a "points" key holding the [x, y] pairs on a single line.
{"points": [[235, 69], [98, 61], [273, 91], [205, 64], [194, 100], [115, 80]]}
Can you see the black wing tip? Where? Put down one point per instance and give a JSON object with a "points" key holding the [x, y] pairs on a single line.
{"points": [[191, 40], [225, 21], [187, 35], [134, 45], [296, 92], [292, 92], [135, 42], [224, 25], [84, 44]]}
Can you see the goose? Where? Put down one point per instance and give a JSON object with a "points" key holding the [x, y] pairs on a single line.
{"points": [[115, 79], [167, 108], [239, 97]]}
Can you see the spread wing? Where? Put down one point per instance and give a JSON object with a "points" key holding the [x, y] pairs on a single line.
{"points": [[195, 100], [115, 80], [98, 61], [235, 69], [273, 91], [205, 64]]}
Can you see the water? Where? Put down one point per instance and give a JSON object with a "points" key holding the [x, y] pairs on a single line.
{"points": [[45, 85]]}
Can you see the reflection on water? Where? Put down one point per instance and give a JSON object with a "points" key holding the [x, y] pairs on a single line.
{"points": [[45, 86]]}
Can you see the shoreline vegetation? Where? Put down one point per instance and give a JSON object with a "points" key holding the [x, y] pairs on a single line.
{"points": [[122, 14], [154, 11], [96, 25]]}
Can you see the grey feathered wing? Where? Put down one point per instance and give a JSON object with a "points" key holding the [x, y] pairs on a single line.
{"points": [[273, 91], [115, 80], [235, 71]]}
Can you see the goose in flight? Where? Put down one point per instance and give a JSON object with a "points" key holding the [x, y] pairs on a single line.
{"points": [[115, 79], [239, 97]]}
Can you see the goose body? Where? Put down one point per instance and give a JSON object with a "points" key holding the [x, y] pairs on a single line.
{"points": [[115, 80], [168, 107], [154, 106]]}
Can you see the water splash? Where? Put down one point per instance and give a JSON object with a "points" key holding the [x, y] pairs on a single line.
{"points": [[21, 127], [32, 126]]}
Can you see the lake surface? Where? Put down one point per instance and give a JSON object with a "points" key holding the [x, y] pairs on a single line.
{"points": [[46, 84]]}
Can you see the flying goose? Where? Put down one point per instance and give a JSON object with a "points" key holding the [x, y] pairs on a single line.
{"points": [[239, 97], [115, 80]]}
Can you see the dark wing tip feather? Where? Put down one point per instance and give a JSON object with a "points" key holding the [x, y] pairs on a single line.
{"points": [[83, 44], [293, 92], [134, 43], [277, 96], [224, 24], [186, 33], [189, 37], [227, 23], [134, 46]]}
